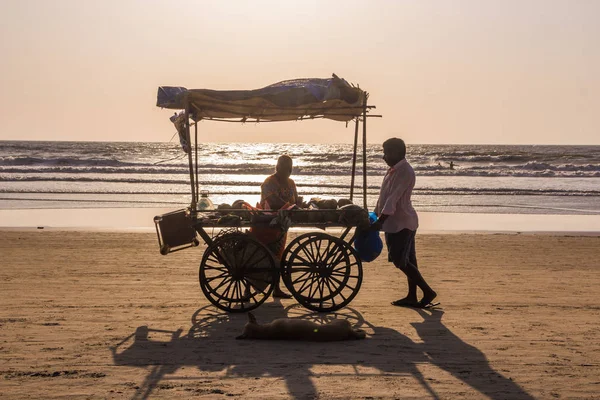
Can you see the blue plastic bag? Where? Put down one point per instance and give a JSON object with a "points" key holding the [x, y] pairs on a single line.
{"points": [[368, 244]]}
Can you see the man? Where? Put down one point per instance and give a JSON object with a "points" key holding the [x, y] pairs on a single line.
{"points": [[399, 220]]}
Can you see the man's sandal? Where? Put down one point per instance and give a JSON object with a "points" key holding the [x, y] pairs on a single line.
{"points": [[428, 305]]}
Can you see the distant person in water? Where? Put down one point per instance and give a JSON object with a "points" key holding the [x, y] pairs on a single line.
{"points": [[451, 164], [399, 220], [277, 191]]}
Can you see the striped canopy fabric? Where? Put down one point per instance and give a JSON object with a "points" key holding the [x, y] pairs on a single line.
{"points": [[290, 100]]}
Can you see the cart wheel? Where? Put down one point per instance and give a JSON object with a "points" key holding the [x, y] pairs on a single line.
{"points": [[323, 273], [237, 273], [285, 257]]}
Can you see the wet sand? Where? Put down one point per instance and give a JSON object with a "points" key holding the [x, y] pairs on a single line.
{"points": [[104, 315]]}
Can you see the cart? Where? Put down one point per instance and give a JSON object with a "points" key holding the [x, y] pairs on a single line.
{"points": [[237, 273]]}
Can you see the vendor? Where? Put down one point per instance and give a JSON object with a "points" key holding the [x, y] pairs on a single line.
{"points": [[277, 191]]}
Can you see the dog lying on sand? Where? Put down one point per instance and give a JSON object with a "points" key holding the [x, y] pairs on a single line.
{"points": [[299, 329]]}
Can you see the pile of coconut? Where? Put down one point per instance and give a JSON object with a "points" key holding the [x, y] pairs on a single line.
{"points": [[315, 211]]}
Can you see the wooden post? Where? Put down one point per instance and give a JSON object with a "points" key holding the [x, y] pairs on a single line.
{"points": [[191, 164], [196, 153], [354, 159], [364, 140]]}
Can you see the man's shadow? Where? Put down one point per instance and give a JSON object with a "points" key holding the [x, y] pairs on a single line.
{"points": [[464, 361], [374, 352], [209, 345]]}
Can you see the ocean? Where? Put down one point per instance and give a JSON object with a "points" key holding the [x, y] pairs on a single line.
{"points": [[494, 179]]}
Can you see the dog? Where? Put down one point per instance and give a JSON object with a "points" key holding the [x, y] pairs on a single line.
{"points": [[300, 329]]}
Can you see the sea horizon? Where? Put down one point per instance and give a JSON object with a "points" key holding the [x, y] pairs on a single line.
{"points": [[312, 143], [485, 179]]}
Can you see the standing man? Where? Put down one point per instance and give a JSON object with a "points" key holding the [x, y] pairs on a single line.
{"points": [[399, 220]]}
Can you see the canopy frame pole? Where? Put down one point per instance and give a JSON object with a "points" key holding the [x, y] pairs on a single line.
{"points": [[191, 163], [354, 159], [364, 143], [196, 155]]}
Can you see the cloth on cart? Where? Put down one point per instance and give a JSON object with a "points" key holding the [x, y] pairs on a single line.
{"points": [[333, 98], [274, 237]]}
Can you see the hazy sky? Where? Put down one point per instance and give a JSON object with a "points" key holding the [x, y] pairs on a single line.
{"points": [[439, 71]]}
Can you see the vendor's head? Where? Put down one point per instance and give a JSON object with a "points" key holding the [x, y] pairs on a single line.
{"points": [[284, 167], [394, 151]]}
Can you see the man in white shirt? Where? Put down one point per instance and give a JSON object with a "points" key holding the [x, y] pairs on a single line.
{"points": [[399, 220]]}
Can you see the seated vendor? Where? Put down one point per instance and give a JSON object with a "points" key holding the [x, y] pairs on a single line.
{"points": [[276, 192], [279, 190]]}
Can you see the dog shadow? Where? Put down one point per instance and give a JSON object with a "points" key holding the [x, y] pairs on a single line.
{"points": [[209, 345]]}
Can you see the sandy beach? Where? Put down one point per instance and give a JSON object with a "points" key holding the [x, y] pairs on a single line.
{"points": [[104, 315]]}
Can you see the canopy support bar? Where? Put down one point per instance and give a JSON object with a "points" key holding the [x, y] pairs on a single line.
{"points": [[244, 120], [196, 154], [354, 159], [191, 163], [364, 143]]}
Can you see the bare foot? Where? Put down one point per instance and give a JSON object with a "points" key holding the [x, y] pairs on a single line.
{"points": [[406, 302]]}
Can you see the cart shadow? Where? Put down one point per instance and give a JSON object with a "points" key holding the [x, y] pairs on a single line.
{"points": [[210, 346]]}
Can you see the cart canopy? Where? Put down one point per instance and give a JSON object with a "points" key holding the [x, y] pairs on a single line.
{"points": [[290, 100]]}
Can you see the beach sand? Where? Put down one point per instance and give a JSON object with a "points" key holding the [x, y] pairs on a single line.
{"points": [[104, 315]]}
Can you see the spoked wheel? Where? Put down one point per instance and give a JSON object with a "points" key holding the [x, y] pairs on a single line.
{"points": [[323, 273], [289, 250], [237, 273], [293, 246]]}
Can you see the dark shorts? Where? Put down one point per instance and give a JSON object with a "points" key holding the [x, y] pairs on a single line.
{"points": [[401, 248]]}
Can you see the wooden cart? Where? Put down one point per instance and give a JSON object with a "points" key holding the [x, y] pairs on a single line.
{"points": [[237, 272]]}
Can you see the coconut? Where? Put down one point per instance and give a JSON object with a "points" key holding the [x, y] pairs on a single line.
{"points": [[224, 208], [344, 202], [329, 204], [354, 215]]}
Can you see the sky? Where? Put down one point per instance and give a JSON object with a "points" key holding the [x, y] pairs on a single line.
{"points": [[457, 72]]}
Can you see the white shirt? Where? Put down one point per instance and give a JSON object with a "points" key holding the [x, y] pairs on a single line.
{"points": [[394, 199]]}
